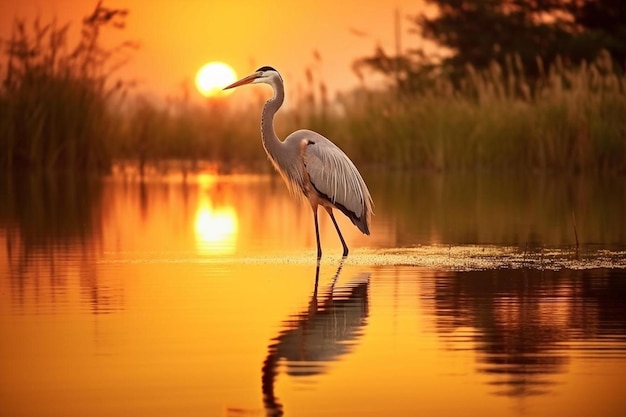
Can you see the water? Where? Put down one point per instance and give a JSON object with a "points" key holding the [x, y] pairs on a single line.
{"points": [[204, 298]]}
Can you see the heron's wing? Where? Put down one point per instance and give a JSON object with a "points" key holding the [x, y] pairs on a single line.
{"points": [[335, 177]]}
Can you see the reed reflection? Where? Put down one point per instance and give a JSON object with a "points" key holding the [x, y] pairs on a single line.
{"points": [[525, 320], [51, 226], [322, 333], [500, 209]]}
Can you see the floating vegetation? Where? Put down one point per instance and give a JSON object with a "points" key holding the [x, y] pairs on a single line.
{"points": [[450, 258]]}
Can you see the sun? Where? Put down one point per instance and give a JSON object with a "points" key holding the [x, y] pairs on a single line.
{"points": [[213, 77]]}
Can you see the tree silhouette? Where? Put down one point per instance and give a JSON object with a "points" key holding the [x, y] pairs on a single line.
{"points": [[531, 33]]}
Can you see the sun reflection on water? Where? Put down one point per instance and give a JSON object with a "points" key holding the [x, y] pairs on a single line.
{"points": [[215, 227]]}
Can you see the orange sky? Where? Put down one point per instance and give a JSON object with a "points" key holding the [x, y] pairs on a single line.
{"points": [[177, 38]]}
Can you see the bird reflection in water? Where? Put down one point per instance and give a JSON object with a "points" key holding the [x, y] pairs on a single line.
{"points": [[320, 334]]}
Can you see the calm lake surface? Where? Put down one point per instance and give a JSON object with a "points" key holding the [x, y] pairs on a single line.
{"points": [[203, 298]]}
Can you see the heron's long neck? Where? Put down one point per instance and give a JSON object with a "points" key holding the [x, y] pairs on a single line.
{"points": [[271, 143]]}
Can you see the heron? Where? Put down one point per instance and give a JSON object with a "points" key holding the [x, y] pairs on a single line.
{"points": [[311, 165]]}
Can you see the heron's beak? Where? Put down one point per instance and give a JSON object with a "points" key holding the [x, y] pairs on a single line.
{"points": [[244, 80]]}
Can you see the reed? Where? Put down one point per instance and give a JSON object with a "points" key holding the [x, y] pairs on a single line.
{"points": [[60, 109], [570, 120], [154, 135], [55, 100]]}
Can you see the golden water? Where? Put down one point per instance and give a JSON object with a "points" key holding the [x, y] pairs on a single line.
{"points": [[128, 299]]}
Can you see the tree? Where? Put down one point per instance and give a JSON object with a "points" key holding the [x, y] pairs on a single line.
{"points": [[479, 32], [603, 26]]}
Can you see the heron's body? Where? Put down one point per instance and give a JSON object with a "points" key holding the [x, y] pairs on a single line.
{"points": [[316, 171], [311, 165]]}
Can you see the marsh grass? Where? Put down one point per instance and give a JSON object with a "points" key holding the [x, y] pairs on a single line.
{"points": [[55, 101], [156, 135], [59, 109], [570, 120]]}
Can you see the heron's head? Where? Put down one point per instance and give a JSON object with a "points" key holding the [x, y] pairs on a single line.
{"points": [[265, 74]]}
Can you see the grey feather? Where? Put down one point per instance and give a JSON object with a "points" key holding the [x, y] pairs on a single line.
{"points": [[335, 177]]}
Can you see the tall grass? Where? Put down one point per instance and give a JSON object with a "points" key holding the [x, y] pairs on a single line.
{"points": [[571, 120], [56, 111], [155, 134], [55, 101]]}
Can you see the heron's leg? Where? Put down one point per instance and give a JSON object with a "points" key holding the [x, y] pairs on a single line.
{"points": [[313, 303], [343, 242], [317, 234]]}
